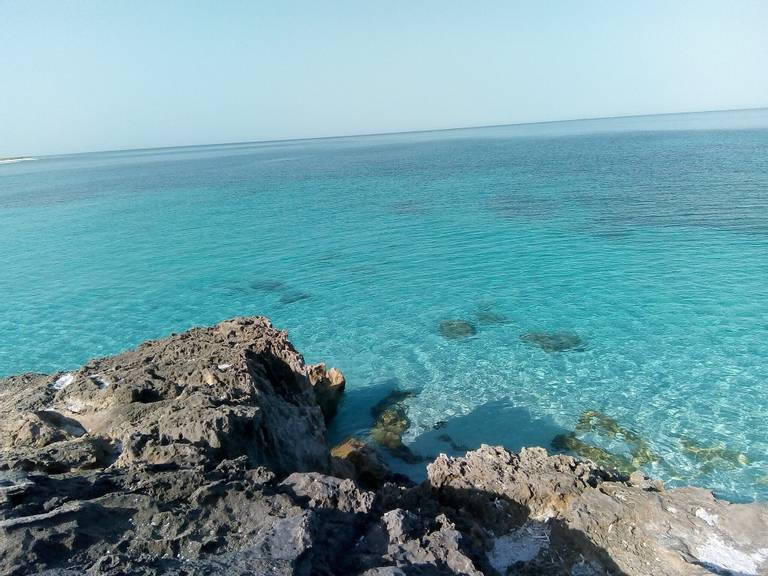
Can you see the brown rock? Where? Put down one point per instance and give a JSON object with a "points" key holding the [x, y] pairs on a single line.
{"points": [[367, 467], [235, 389], [328, 386], [540, 507]]}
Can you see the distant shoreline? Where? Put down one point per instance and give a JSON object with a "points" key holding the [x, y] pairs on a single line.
{"points": [[15, 159]]}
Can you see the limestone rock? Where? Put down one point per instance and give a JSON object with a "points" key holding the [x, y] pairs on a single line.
{"points": [[614, 526], [322, 491], [238, 388], [328, 386], [366, 465], [205, 453]]}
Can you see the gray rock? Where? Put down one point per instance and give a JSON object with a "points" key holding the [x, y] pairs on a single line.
{"points": [[322, 491], [235, 389], [623, 527], [205, 453]]}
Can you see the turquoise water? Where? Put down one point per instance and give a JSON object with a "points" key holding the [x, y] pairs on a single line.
{"points": [[648, 237]]}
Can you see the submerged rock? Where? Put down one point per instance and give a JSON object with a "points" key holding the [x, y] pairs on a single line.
{"points": [[570, 443], [389, 427], [490, 317], [713, 454], [596, 421], [294, 296], [456, 329], [554, 341], [394, 398], [267, 285], [391, 423], [486, 314]]}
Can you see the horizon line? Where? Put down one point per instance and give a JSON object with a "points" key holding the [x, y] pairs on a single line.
{"points": [[395, 133]]}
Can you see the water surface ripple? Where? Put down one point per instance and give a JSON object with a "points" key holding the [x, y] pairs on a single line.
{"points": [[646, 237]]}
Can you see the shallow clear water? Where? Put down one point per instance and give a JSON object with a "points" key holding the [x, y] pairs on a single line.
{"points": [[648, 237]]}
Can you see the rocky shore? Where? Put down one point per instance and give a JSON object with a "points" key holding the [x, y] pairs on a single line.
{"points": [[205, 453]]}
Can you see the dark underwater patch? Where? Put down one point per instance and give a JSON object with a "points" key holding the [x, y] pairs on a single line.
{"points": [[555, 341], [294, 296], [391, 423], [456, 329], [267, 285]]}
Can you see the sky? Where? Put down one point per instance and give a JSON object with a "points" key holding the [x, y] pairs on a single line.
{"points": [[82, 76]]}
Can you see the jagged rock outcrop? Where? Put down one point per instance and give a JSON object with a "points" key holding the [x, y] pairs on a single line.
{"points": [[205, 453], [551, 511], [353, 458], [329, 386], [194, 399]]}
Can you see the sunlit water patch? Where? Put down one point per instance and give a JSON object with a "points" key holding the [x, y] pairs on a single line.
{"points": [[598, 287]]}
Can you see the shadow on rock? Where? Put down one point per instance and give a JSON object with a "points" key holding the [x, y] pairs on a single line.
{"points": [[506, 540]]}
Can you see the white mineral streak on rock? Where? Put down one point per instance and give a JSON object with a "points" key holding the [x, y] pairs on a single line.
{"points": [[721, 557], [710, 519], [100, 381], [522, 545], [63, 381]]}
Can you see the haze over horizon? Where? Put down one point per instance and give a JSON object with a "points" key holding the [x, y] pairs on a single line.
{"points": [[86, 77]]}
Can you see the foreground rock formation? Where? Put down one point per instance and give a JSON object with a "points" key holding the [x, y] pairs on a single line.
{"points": [[205, 453]]}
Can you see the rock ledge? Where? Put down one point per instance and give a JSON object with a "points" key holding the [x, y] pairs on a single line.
{"points": [[205, 453]]}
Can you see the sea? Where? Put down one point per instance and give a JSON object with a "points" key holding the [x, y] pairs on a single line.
{"points": [[597, 287]]}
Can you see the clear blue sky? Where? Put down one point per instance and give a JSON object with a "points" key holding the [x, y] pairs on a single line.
{"points": [[78, 76]]}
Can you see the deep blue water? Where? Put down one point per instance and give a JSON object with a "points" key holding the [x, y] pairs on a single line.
{"points": [[647, 237]]}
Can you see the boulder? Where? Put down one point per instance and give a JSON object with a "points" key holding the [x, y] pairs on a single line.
{"points": [[366, 465], [235, 389], [391, 422], [329, 388]]}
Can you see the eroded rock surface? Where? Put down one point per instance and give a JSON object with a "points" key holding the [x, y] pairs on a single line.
{"points": [[194, 399], [205, 453], [556, 515]]}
